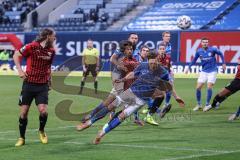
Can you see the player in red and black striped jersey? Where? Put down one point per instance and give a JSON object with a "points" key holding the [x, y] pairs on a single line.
{"points": [[228, 90], [39, 57]]}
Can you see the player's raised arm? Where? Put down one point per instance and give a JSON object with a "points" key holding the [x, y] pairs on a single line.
{"points": [[17, 58]]}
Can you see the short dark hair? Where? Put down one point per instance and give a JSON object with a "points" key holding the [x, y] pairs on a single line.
{"points": [[132, 33], [205, 38], [123, 44], [144, 46], [161, 44], [152, 54]]}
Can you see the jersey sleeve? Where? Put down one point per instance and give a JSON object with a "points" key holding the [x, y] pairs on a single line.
{"points": [[117, 53], [194, 59], [218, 52], [165, 75], [97, 53], [138, 70], [26, 50], [84, 52]]}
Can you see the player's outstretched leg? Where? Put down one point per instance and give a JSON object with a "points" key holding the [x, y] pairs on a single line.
{"points": [[99, 115], [108, 127], [137, 119]]}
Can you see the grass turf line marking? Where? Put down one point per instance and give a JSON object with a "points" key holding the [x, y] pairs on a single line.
{"points": [[34, 130], [154, 147], [202, 155]]}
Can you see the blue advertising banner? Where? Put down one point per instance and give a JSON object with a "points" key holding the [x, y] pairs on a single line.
{"points": [[70, 44]]}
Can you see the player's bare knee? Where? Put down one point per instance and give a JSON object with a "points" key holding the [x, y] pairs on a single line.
{"points": [[210, 85], [24, 111], [42, 109]]}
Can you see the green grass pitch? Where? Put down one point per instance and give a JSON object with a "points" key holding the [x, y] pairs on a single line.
{"points": [[182, 134]]}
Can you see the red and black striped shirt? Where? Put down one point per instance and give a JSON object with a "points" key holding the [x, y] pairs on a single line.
{"points": [[39, 62], [164, 60]]}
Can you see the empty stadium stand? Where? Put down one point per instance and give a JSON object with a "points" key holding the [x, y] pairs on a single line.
{"points": [[13, 13], [164, 13], [92, 15]]}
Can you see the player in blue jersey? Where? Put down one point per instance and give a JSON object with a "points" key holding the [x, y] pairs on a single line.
{"points": [[149, 82], [166, 36], [142, 56], [133, 37], [150, 77], [209, 71]]}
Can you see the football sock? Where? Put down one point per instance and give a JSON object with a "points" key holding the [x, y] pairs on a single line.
{"points": [[209, 95], [156, 104], [42, 121], [81, 87], [218, 99], [98, 108], [115, 114], [100, 114], [136, 116], [96, 85], [112, 124], [82, 84], [150, 103], [238, 112], [22, 127], [198, 95], [168, 97]]}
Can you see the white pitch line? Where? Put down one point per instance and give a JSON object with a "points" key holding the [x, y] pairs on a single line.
{"points": [[155, 147], [34, 130], [201, 155]]}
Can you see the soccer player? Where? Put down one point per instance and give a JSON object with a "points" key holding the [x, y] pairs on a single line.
{"points": [[227, 91], [142, 56], [133, 37], [166, 36], [119, 70], [209, 71], [150, 78], [90, 62], [39, 55]]}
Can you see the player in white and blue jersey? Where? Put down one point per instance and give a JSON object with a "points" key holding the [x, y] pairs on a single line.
{"points": [[149, 80], [150, 77], [117, 71], [207, 56]]}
